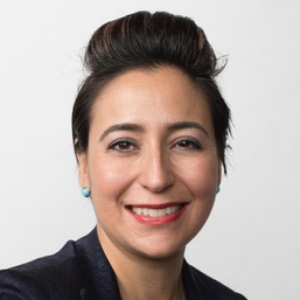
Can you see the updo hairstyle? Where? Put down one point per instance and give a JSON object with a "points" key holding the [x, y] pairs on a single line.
{"points": [[146, 41]]}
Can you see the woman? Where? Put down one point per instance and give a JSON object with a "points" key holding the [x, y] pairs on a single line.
{"points": [[149, 130]]}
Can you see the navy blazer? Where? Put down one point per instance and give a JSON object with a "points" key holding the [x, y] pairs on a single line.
{"points": [[81, 271]]}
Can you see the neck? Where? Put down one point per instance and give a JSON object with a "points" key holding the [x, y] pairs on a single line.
{"points": [[142, 278]]}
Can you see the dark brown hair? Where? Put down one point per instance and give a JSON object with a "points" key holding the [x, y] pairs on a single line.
{"points": [[141, 41]]}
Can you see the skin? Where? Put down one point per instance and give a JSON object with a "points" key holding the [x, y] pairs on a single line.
{"points": [[153, 161]]}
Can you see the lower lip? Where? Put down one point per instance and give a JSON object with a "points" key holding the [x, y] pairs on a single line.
{"points": [[158, 220]]}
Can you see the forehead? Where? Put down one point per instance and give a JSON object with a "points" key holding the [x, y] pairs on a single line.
{"points": [[163, 94]]}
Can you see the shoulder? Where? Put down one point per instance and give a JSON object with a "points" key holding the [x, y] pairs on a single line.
{"points": [[207, 287], [52, 277]]}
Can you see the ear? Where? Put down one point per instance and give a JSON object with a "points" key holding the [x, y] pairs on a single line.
{"points": [[83, 170], [219, 172]]}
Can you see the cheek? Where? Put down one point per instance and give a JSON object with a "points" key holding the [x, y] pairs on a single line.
{"points": [[201, 180], [106, 186], [201, 176], [108, 180]]}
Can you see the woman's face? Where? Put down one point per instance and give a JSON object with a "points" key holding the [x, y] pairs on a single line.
{"points": [[151, 164]]}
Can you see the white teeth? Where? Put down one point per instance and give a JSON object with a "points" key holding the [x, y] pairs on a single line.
{"points": [[153, 213], [138, 211], [156, 212], [169, 210], [161, 212]]}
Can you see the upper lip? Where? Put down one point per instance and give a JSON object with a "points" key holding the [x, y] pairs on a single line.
{"points": [[157, 206]]}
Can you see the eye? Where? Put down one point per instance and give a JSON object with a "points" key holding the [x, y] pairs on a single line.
{"points": [[122, 146], [188, 144]]}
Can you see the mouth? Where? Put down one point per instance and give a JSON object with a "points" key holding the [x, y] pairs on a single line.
{"points": [[157, 214]]}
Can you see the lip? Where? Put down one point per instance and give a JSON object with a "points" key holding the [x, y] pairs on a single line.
{"points": [[157, 220]]}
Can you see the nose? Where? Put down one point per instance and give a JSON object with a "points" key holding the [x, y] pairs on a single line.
{"points": [[155, 172]]}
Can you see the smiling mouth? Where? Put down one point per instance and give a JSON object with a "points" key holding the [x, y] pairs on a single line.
{"points": [[156, 212]]}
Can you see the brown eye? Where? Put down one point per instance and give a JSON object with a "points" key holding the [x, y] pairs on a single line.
{"points": [[188, 144], [185, 144], [122, 146]]}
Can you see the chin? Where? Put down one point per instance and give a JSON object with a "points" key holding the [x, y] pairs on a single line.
{"points": [[158, 249], [159, 253]]}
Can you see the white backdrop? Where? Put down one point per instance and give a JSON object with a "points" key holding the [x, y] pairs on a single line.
{"points": [[251, 241]]}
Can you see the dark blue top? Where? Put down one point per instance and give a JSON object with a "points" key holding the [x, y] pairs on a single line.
{"points": [[80, 270]]}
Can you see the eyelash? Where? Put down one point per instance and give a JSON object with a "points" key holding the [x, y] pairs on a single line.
{"points": [[192, 144], [184, 144], [115, 145]]}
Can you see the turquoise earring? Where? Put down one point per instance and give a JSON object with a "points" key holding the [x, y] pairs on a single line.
{"points": [[218, 189], [85, 192]]}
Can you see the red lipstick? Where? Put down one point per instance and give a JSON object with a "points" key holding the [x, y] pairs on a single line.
{"points": [[158, 220]]}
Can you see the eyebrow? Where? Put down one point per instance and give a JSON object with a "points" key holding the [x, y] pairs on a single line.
{"points": [[186, 124], [138, 128], [120, 127]]}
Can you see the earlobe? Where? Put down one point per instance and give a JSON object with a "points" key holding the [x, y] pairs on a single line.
{"points": [[219, 178], [83, 170], [220, 169]]}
